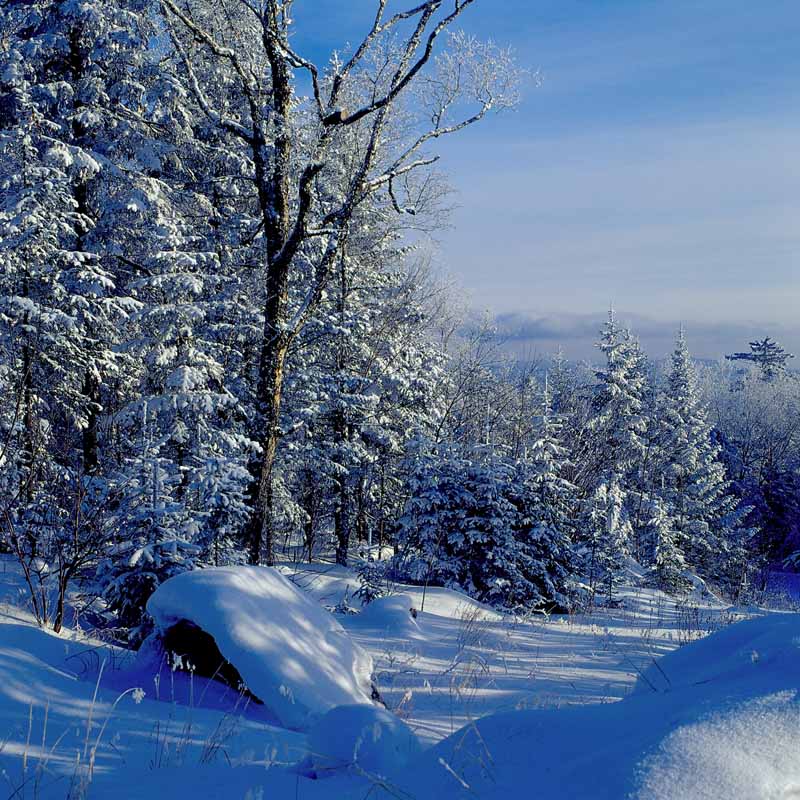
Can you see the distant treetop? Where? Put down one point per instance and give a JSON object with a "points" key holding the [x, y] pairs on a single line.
{"points": [[770, 357]]}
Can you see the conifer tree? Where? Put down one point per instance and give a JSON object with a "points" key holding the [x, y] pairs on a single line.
{"points": [[707, 517], [606, 534], [667, 562], [461, 529], [613, 455], [767, 355], [548, 504], [61, 300], [618, 428]]}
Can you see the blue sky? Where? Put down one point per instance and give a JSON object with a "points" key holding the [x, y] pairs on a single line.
{"points": [[656, 167]]}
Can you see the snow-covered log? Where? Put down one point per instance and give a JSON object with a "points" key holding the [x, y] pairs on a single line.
{"points": [[290, 653]]}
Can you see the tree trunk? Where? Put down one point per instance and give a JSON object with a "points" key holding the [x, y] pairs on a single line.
{"points": [[91, 459], [342, 512], [341, 523], [310, 524], [362, 526], [261, 534], [272, 165], [28, 423], [58, 619]]}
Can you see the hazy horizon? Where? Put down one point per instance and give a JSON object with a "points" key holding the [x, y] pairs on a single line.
{"points": [[529, 334]]}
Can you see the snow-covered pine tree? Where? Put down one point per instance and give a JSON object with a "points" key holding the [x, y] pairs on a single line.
{"points": [[361, 386], [572, 389], [436, 511], [767, 355], [154, 528], [667, 563], [612, 455], [61, 305], [371, 580], [548, 504], [706, 515], [181, 442], [460, 529], [605, 538], [616, 443]]}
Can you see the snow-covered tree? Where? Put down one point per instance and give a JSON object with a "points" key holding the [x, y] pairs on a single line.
{"points": [[706, 515], [62, 304], [616, 443], [767, 355], [436, 511], [463, 528], [612, 456], [605, 538], [667, 562], [315, 162], [549, 504]]}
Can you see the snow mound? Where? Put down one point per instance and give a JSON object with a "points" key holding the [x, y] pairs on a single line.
{"points": [[367, 737], [717, 718], [450, 603], [742, 754], [763, 651], [291, 653], [332, 584], [699, 591], [391, 614]]}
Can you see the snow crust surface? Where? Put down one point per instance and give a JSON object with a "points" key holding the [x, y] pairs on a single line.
{"points": [[750, 751], [291, 653]]}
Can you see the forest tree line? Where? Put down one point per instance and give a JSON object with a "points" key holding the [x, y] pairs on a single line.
{"points": [[220, 341]]}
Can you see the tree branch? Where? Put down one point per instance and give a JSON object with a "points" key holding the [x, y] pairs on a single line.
{"points": [[403, 80]]}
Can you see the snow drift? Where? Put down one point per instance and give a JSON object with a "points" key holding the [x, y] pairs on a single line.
{"points": [[290, 653], [369, 739], [717, 718], [762, 653]]}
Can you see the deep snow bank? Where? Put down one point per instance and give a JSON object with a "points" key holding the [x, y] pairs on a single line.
{"points": [[762, 653], [748, 751], [291, 653], [744, 683], [717, 718]]}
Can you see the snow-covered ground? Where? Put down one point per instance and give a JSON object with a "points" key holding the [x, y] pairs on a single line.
{"points": [[460, 660], [544, 690]]}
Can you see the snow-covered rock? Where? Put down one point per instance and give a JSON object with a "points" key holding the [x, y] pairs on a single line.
{"points": [[369, 738], [291, 653]]}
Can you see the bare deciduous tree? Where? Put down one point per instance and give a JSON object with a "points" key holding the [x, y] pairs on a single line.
{"points": [[360, 138]]}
